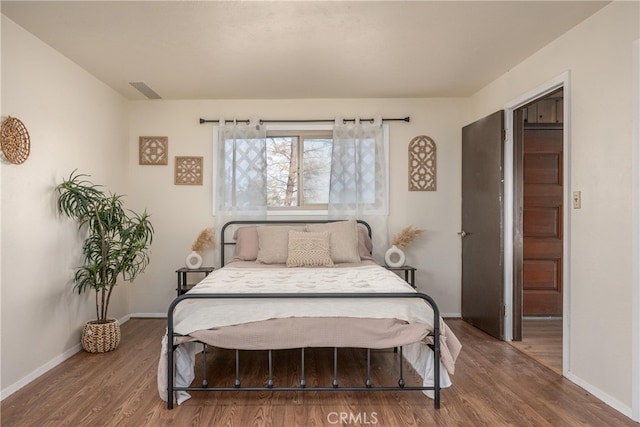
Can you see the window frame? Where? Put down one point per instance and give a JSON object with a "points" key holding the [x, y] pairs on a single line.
{"points": [[301, 136], [298, 210]]}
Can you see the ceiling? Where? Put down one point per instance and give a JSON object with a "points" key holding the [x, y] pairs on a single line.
{"points": [[298, 49]]}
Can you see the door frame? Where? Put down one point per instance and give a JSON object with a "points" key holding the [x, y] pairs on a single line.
{"points": [[561, 81]]}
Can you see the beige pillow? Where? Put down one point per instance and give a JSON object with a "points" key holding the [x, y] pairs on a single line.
{"points": [[344, 239], [273, 242], [307, 249], [365, 245], [246, 243]]}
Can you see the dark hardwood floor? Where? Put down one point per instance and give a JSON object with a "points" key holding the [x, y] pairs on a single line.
{"points": [[494, 385]]}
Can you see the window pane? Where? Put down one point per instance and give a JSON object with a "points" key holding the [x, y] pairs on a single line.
{"points": [[316, 163], [282, 167]]}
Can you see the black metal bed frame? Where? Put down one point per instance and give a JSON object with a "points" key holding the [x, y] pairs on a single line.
{"points": [[270, 385]]}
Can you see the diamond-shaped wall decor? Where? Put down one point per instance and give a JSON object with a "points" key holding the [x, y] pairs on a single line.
{"points": [[153, 150], [188, 170]]}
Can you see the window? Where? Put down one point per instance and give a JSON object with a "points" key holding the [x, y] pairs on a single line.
{"points": [[298, 169]]}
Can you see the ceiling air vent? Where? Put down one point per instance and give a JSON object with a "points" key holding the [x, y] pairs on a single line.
{"points": [[145, 90]]}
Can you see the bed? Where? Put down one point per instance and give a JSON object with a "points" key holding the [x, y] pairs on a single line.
{"points": [[297, 285]]}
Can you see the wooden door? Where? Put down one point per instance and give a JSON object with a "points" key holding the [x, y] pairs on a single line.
{"points": [[482, 216], [542, 222]]}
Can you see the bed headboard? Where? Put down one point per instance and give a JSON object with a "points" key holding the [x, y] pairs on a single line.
{"points": [[224, 242]]}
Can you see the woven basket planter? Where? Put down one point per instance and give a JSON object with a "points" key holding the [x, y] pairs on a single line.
{"points": [[100, 337]]}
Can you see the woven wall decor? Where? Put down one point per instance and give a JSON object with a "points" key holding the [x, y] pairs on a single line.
{"points": [[153, 150], [188, 171], [14, 140], [422, 164]]}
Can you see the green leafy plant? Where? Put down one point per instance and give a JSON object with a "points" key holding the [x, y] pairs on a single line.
{"points": [[117, 243]]}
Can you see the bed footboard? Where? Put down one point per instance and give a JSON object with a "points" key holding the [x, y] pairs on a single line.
{"points": [[335, 386]]}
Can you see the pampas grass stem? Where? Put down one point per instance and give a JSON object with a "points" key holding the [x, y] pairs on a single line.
{"points": [[204, 241], [406, 237]]}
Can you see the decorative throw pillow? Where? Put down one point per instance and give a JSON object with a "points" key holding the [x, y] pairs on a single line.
{"points": [[307, 249], [344, 239], [273, 241]]}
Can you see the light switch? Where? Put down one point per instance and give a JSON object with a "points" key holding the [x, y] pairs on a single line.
{"points": [[577, 199]]}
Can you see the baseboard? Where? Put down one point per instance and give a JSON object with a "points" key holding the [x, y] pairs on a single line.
{"points": [[47, 367], [40, 371], [606, 398], [149, 315], [451, 315]]}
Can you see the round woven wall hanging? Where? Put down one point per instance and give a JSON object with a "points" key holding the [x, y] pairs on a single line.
{"points": [[14, 140]]}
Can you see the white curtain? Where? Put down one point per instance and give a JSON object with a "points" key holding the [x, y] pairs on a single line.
{"points": [[358, 188], [241, 177], [241, 182]]}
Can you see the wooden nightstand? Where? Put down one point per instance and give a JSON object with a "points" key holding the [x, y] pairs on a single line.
{"points": [[409, 273], [183, 285]]}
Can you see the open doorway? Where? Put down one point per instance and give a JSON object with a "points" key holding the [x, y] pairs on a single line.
{"points": [[539, 209]]}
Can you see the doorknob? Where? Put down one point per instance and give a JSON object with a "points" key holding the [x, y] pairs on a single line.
{"points": [[463, 234]]}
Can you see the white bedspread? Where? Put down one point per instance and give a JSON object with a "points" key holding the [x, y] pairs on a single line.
{"points": [[195, 315]]}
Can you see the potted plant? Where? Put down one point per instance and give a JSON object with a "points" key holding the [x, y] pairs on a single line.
{"points": [[117, 246]]}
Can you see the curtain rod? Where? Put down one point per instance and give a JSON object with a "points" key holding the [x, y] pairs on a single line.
{"points": [[403, 119]]}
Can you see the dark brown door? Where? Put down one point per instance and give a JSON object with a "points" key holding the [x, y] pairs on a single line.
{"points": [[542, 222], [482, 241]]}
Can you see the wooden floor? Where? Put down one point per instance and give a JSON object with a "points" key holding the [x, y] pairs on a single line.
{"points": [[542, 341], [494, 385]]}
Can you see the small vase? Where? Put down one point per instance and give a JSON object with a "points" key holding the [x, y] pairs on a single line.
{"points": [[194, 260], [394, 257]]}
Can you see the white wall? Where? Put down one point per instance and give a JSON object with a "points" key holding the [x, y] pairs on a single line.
{"points": [[180, 212], [74, 121], [598, 55]]}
